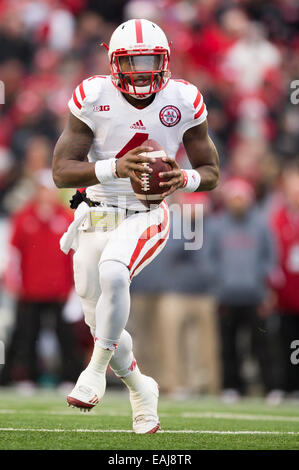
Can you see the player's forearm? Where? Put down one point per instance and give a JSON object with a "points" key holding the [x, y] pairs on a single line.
{"points": [[209, 173], [70, 166], [209, 177], [74, 174], [202, 155]]}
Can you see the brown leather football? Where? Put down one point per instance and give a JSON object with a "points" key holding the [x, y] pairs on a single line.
{"points": [[149, 192]]}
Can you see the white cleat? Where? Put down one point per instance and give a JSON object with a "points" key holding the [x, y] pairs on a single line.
{"points": [[145, 408], [88, 391], [146, 424], [82, 397]]}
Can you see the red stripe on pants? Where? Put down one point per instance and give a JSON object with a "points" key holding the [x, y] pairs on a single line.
{"points": [[150, 252], [147, 235]]}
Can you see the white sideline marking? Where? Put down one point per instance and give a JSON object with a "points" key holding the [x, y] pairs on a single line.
{"points": [[183, 431]]}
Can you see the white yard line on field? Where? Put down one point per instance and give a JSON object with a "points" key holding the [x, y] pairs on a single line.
{"points": [[168, 431]]}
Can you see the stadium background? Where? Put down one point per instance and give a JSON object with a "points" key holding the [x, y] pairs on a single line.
{"points": [[243, 56]]}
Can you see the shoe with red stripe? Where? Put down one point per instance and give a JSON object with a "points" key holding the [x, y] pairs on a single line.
{"points": [[146, 425], [145, 405], [88, 391]]}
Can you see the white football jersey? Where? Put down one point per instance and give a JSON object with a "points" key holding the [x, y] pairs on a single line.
{"points": [[119, 127]]}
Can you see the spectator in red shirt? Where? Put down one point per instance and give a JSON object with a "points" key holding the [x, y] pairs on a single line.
{"points": [[285, 224], [42, 281]]}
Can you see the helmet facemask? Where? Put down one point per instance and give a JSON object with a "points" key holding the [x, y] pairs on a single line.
{"points": [[140, 73]]}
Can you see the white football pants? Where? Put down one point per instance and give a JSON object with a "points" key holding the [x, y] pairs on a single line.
{"points": [[104, 264]]}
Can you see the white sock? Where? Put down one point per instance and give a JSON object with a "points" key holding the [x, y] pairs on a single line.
{"points": [[141, 394], [94, 375], [124, 364], [134, 381], [99, 360]]}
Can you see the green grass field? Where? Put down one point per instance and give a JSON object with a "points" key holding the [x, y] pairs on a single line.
{"points": [[43, 421]]}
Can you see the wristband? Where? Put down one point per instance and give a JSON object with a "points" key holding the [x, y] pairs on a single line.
{"points": [[191, 181], [105, 170]]}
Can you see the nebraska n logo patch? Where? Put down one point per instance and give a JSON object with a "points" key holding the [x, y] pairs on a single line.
{"points": [[170, 115]]}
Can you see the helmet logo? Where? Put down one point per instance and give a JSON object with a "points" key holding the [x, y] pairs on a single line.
{"points": [[170, 115]]}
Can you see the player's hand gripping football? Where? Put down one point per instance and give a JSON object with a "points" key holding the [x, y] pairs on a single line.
{"points": [[132, 161], [175, 176]]}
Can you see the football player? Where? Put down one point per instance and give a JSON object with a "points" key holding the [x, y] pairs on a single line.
{"points": [[100, 149]]}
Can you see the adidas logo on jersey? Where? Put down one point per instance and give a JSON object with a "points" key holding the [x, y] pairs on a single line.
{"points": [[138, 125]]}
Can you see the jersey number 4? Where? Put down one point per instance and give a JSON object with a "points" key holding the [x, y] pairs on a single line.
{"points": [[136, 141]]}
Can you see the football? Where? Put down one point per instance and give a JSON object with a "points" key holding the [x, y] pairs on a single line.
{"points": [[149, 192]]}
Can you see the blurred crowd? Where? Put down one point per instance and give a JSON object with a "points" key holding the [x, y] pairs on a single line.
{"points": [[219, 319]]}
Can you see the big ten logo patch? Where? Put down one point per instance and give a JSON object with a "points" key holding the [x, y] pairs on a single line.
{"points": [[101, 107]]}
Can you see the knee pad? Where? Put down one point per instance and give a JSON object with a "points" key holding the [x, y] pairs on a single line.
{"points": [[114, 276], [89, 310], [86, 278]]}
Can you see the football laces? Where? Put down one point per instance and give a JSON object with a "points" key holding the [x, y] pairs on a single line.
{"points": [[145, 185]]}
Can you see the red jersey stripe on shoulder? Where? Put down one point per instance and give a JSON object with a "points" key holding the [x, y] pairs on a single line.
{"points": [[199, 113], [96, 76], [79, 106], [138, 27], [81, 89], [197, 100], [181, 81]]}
